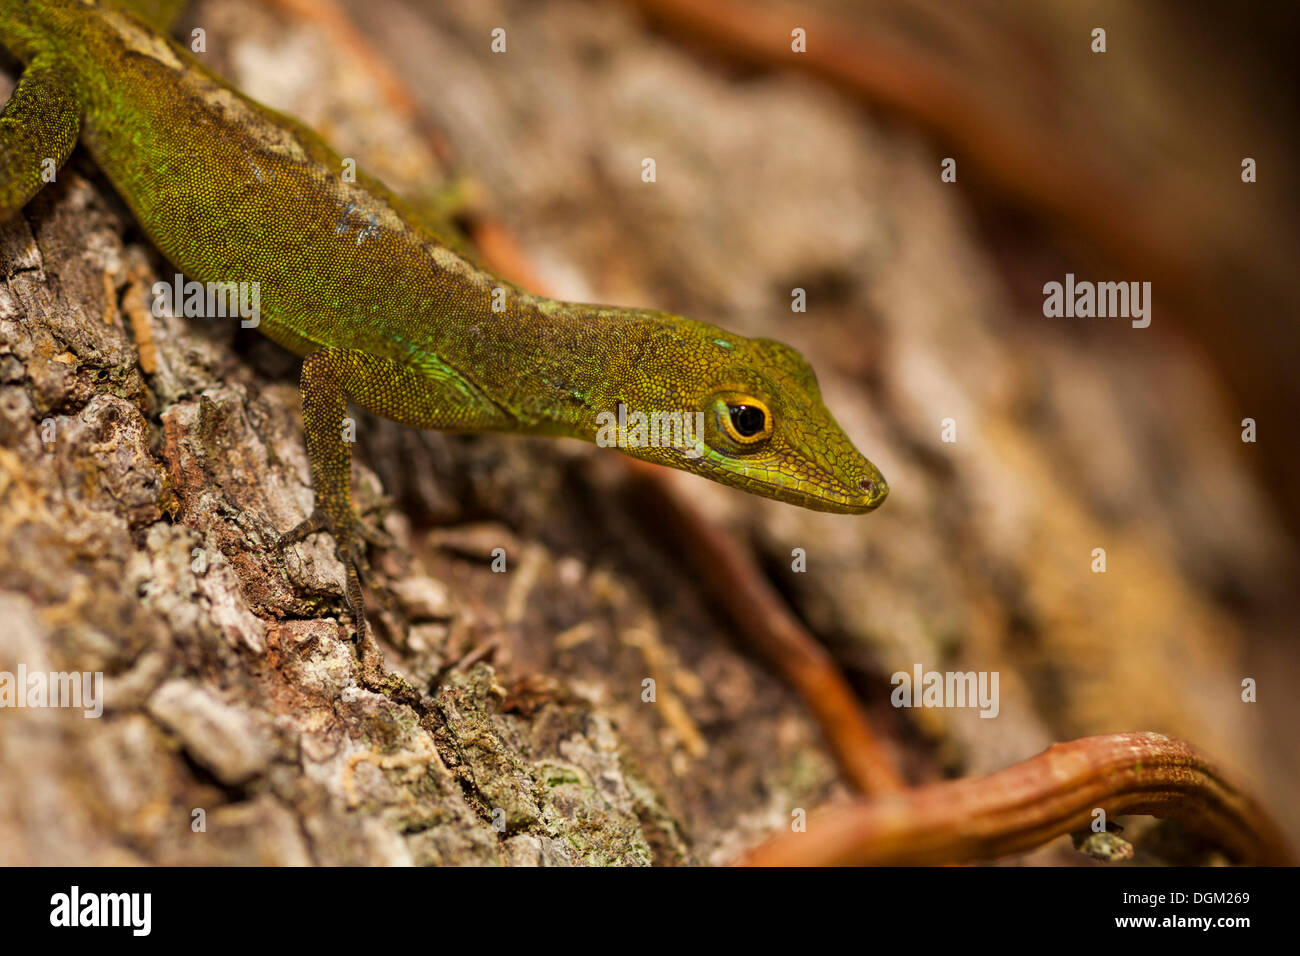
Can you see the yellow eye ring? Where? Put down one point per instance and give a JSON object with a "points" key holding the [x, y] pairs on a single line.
{"points": [[745, 419]]}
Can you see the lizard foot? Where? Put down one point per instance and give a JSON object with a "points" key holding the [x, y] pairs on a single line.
{"points": [[348, 531], [349, 549], [349, 536]]}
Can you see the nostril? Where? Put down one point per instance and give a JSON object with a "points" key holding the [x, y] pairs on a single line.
{"points": [[873, 490]]}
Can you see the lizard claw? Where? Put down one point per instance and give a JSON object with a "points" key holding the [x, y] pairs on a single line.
{"points": [[345, 533], [304, 529], [373, 532]]}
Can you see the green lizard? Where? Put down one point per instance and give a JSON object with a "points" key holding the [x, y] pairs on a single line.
{"points": [[383, 308]]}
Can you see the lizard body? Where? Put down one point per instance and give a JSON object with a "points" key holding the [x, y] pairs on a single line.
{"points": [[382, 307]]}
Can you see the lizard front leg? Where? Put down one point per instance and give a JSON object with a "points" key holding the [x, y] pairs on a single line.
{"points": [[38, 129], [324, 409], [424, 395]]}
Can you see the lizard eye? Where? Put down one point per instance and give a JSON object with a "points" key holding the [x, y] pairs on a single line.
{"points": [[747, 421]]}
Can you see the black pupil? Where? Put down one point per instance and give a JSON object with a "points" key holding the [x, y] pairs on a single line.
{"points": [[748, 419]]}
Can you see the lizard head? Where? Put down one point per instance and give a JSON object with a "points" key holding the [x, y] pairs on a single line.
{"points": [[751, 414]]}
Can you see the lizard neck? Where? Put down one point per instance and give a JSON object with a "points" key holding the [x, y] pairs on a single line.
{"points": [[554, 365]]}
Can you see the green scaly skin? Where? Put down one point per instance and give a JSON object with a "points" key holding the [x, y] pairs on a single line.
{"points": [[384, 311]]}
